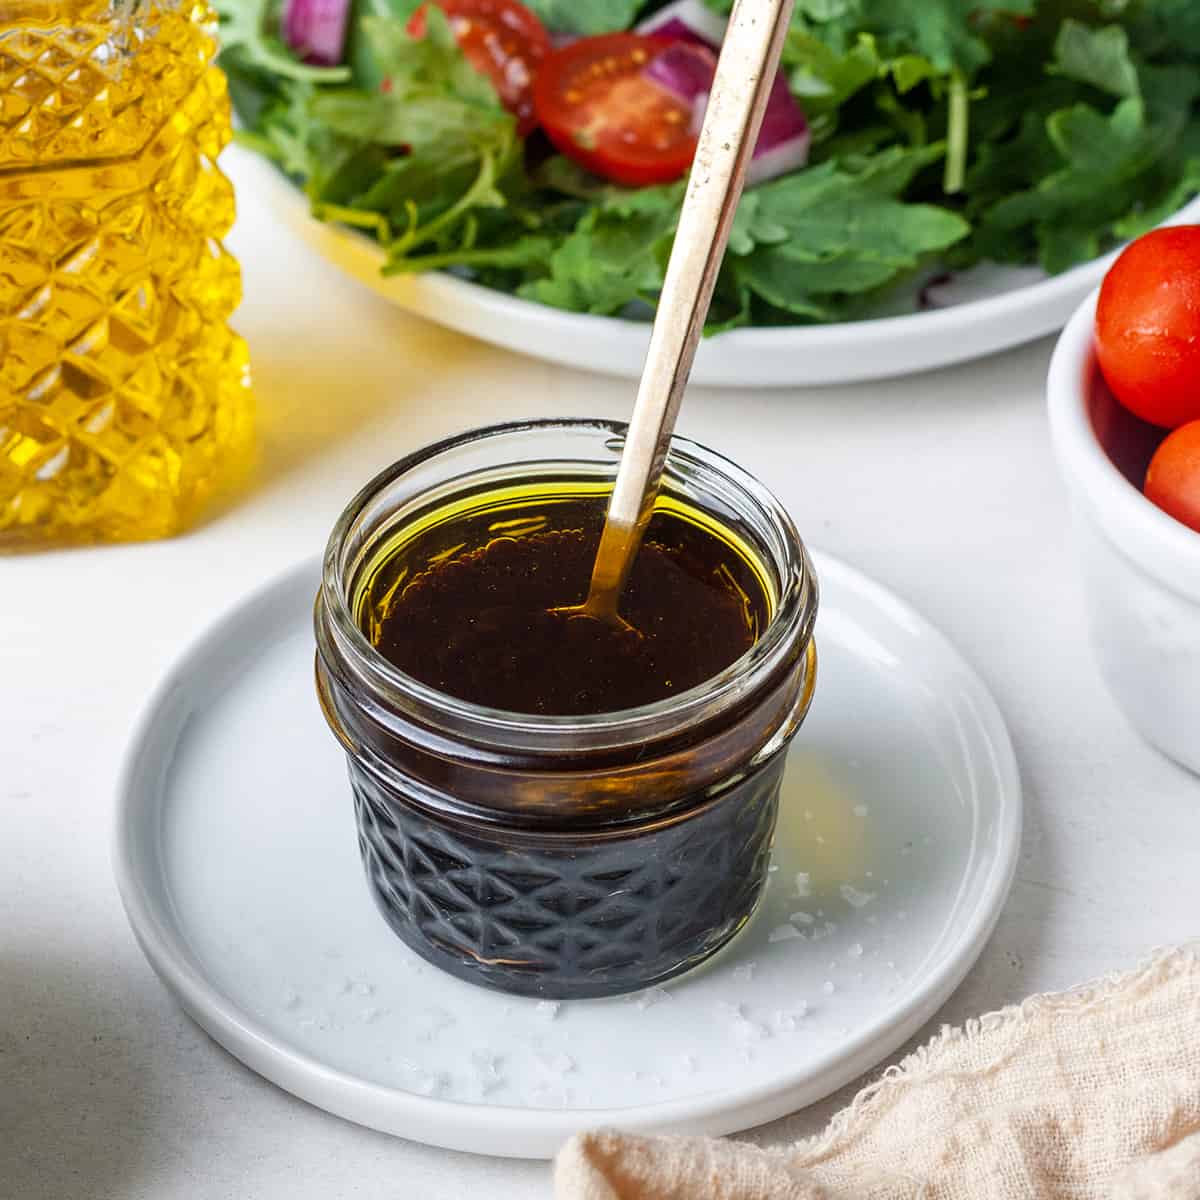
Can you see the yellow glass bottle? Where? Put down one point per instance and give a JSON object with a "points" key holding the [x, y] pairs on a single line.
{"points": [[124, 395]]}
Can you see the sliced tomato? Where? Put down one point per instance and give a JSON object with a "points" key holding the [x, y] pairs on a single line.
{"points": [[501, 39], [599, 108]]}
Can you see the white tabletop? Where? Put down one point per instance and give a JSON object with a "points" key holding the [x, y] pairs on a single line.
{"points": [[941, 486]]}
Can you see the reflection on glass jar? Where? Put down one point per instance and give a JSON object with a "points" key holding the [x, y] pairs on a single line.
{"points": [[563, 855]]}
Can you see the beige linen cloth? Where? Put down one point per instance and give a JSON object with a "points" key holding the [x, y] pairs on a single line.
{"points": [[1089, 1093]]}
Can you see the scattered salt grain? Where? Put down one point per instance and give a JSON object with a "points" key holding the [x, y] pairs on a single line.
{"points": [[558, 1064], [856, 950], [547, 1096], [488, 1076], [803, 885], [486, 1064], [547, 1009], [828, 987], [801, 918], [783, 933], [291, 999], [746, 1030], [428, 1025], [854, 897], [369, 1016], [687, 1064], [744, 973], [419, 1080], [861, 810], [789, 1022], [651, 997]]}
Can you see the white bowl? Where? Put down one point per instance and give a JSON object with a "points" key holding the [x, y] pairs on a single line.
{"points": [[1141, 567]]}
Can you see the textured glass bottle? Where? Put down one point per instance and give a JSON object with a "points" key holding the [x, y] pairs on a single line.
{"points": [[124, 399]]}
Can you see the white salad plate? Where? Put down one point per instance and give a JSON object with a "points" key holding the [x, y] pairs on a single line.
{"points": [[988, 309], [236, 858]]}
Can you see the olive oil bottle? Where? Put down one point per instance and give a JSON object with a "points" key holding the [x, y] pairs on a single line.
{"points": [[124, 395]]}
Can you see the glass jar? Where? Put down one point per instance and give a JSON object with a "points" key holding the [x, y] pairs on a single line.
{"points": [[124, 400], [563, 856]]}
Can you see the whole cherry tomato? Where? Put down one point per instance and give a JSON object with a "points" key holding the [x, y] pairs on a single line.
{"points": [[1148, 326], [1173, 479]]}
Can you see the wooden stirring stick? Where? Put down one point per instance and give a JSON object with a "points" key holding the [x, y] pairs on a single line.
{"points": [[745, 74]]}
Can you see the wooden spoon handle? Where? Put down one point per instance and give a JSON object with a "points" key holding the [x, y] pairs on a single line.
{"points": [[745, 74]]}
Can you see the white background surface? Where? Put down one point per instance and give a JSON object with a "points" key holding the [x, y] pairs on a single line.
{"points": [[941, 486]]}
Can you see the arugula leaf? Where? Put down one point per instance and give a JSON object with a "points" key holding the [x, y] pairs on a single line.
{"points": [[586, 16], [1178, 22], [824, 213], [366, 69], [614, 257], [1096, 56], [805, 242], [943, 31], [1072, 210], [825, 79], [243, 27]]}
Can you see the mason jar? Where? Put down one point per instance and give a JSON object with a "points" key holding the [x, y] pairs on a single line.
{"points": [[561, 856]]}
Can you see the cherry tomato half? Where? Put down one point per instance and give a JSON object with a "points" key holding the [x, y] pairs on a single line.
{"points": [[598, 107], [1173, 479], [1148, 326], [501, 39]]}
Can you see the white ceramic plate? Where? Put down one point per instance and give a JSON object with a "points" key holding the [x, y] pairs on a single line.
{"points": [[994, 308], [237, 862]]}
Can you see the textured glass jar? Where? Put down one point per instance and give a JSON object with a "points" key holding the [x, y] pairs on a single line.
{"points": [[562, 856], [124, 401]]}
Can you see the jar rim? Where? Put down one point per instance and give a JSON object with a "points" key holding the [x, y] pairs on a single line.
{"points": [[788, 631]]}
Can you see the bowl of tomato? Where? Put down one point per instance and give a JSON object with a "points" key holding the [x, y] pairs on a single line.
{"points": [[1124, 402]]}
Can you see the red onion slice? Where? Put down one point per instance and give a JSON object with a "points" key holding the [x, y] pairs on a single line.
{"points": [[784, 140], [686, 70], [316, 29]]}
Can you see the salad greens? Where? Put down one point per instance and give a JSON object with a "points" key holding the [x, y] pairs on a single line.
{"points": [[944, 132]]}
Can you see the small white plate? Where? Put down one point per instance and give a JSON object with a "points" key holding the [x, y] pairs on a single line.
{"points": [[993, 308], [236, 859]]}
